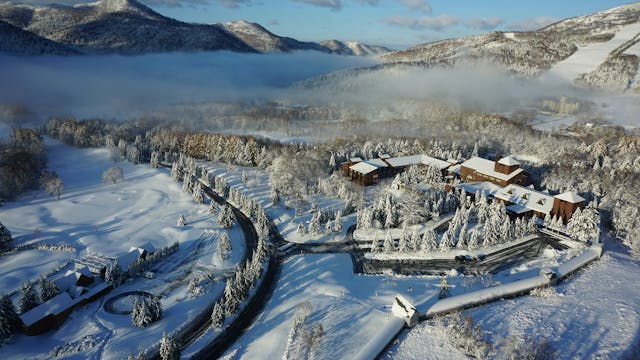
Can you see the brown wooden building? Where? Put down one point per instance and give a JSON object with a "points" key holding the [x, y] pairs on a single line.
{"points": [[369, 172], [564, 205], [501, 171]]}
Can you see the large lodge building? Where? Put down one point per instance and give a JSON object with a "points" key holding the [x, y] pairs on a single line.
{"points": [[501, 179]]}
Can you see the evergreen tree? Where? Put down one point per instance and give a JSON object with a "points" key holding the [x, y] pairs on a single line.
{"points": [[176, 172], [28, 298], [212, 207], [5, 237], [474, 239], [226, 218], [338, 225], [429, 240], [446, 242], [275, 197], [224, 245], [390, 213], [301, 229], [314, 224], [169, 349], [153, 162], [231, 301], [182, 221], [414, 241], [48, 290], [198, 194], [9, 320], [217, 315], [403, 241], [388, 242]]}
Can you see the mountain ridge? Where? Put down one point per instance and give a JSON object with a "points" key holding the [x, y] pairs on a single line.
{"points": [[130, 27]]}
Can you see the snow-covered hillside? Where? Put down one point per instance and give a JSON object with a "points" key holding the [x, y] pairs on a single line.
{"points": [[353, 48], [129, 27]]}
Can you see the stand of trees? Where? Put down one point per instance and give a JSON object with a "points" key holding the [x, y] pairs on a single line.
{"points": [[21, 162]]}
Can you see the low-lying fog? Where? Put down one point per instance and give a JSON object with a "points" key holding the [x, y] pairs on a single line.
{"points": [[124, 86]]}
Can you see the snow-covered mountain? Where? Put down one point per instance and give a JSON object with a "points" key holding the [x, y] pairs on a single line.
{"points": [[17, 41], [600, 49], [129, 27], [261, 39], [122, 26], [353, 48]]}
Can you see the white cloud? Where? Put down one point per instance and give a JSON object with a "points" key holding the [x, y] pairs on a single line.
{"points": [[532, 23], [425, 22], [332, 4], [417, 5], [484, 23], [231, 3]]}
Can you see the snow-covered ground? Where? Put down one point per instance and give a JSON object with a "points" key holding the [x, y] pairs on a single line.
{"points": [[108, 219], [588, 57], [257, 187], [594, 314], [351, 308]]}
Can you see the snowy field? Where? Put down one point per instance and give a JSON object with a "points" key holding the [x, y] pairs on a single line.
{"points": [[352, 309], [594, 315], [108, 219]]}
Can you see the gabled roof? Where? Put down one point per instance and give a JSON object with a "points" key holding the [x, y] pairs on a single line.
{"points": [[509, 161], [364, 167], [54, 306], [127, 259], [526, 197], [68, 281], [418, 159], [146, 247], [570, 196], [486, 167]]}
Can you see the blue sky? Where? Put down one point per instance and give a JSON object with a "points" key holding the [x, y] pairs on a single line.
{"points": [[397, 23]]}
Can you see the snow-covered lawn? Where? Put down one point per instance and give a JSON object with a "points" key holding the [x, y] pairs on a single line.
{"points": [[351, 308], [257, 187], [594, 314], [108, 219]]}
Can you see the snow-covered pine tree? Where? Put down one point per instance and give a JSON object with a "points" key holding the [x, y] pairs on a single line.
{"points": [[446, 242], [48, 290], [388, 245], [187, 183], [9, 320], [244, 177], [332, 162], [328, 229], [531, 226], [212, 207], [474, 239], [314, 223], [414, 241], [176, 172], [182, 221], [364, 219], [301, 229], [226, 218], [390, 213], [584, 224], [231, 300], [429, 240], [154, 159], [403, 245], [224, 245], [217, 315], [337, 222], [5, 237], [198, 194], [28, 298], [548, 220], [506, 231], [169, 349]]}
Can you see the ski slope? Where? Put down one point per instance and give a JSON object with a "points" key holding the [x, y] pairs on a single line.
{"points": [[588, 57]]}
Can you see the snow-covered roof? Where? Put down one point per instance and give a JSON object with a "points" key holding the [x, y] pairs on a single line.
{"points": [[146, 247], [384, 156], [54, 306], [127, 259], [570, 196], [486, 167], [486, 187], [455, 169], [518, 209], [418, 159], [355, 159], [509, 161], [68, 281], [84, 270], [365, 167], [526, 197]]}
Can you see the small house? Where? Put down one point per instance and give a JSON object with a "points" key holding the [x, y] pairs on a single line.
{"points": [[565, 204], [501, 171]]}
